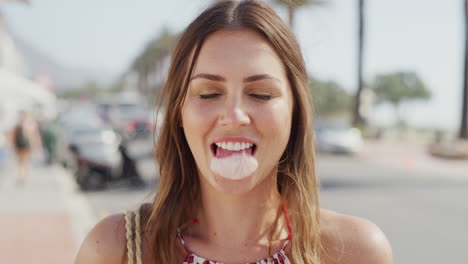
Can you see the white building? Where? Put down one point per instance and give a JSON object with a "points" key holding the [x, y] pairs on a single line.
{"points": [[16, 91]]}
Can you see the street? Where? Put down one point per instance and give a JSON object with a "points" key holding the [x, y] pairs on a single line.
{"points": [[418, 201], [425, 216]]}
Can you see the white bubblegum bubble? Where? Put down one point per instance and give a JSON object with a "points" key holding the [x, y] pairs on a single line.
{"points": [[235, 167]]}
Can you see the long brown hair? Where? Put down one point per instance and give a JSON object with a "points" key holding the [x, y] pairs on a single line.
{"points": [[178, 194]]}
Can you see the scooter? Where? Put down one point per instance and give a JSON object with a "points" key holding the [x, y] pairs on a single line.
{"points": [[94, 175]]}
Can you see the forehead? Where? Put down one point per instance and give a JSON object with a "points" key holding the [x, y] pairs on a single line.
{"points": [[238, 52]]}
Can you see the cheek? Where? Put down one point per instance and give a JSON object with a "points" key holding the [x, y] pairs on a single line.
{"points": [[196, 115], [275, 120], [197, 119]]}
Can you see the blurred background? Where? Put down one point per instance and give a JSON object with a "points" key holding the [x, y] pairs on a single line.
{"points": [[79, 82]]}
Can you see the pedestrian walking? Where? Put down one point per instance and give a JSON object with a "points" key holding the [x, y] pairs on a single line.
{"points": [[236, 158], [49, 137], [25, 139]]}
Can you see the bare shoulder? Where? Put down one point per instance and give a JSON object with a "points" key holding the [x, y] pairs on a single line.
{"points": [[105, 243], [349, 239]]}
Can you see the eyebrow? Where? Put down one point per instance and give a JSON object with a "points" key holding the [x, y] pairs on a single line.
{"points": [[219, 78]]}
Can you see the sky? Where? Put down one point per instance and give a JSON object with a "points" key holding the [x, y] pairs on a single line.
{"points": [[425, 36]]}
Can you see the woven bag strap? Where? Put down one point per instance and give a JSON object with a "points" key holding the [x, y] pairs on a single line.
{"points": [[129, 237], [138, 236]]}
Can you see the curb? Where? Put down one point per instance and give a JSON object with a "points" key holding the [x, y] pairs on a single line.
{"points": [[81, 215]]}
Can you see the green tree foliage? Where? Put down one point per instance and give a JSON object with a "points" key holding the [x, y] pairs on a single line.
{"points": [[151, 61], [71, 94], [398, 87], [329, 98], [93, 89], [90, 89], [118, 85]]}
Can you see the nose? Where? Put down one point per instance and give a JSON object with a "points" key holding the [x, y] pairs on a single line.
{"points": [[234, 113]]}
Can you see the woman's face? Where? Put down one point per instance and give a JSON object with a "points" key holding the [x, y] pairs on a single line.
{"points": [[238, 101]]}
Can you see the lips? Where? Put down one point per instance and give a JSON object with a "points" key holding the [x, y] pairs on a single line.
{"points": [[225, 149], [221, 153]]}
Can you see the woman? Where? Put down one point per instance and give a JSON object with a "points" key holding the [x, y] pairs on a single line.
{"points": [[26, 138], [237, 181]]}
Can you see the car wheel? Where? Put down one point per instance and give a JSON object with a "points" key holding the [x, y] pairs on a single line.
{"points": [[137, 182], [81, 176], [89, 179], [96, 181]]}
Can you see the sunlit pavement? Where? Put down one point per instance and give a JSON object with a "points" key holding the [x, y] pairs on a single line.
{"points": [[42, 221], [420, 202], [412, 157], [417, 200]]}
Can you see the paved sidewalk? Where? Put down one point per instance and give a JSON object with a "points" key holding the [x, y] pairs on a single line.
{"points": [[43, 221], [412, 157]]}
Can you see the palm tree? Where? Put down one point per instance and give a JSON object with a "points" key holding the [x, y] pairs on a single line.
{"points": [[464, 119], [358, 119], [292, 5], [399, 87], [150, 63]]}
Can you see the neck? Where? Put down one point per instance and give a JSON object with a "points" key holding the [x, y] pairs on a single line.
{"points": [[242, 220]]}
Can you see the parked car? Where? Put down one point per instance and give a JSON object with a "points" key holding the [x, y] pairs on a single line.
{"points": [[135, 122], [335, 137], [128, 118]]}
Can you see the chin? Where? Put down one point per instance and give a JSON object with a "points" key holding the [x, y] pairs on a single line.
{"points": [[230, 186]]}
